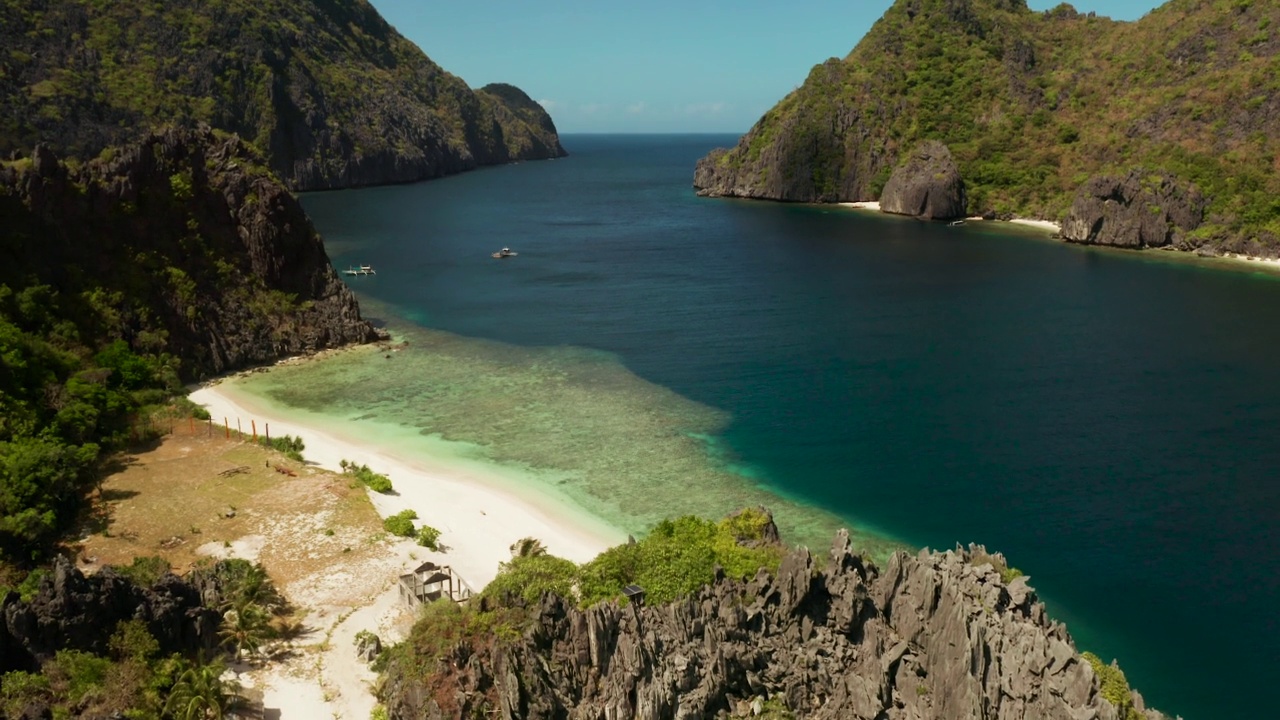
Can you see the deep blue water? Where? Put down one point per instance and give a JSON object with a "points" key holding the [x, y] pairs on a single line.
{"points": [[1110, 422]]}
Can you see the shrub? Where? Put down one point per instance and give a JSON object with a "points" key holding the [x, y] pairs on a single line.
{"points": [[145, 571], [400, 524], [291, 446], [429, 537], [1115, 688], [374, 481], [528, 577]]}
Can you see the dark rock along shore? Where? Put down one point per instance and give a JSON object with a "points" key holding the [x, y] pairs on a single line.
{"points": [[209, 254], [936, 636]]}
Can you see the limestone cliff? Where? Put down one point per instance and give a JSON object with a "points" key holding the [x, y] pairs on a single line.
{"points": [[926, 185], [1039, 109], [936, 636], [181, 243], [71, 611], [1143, 209], [328, 90]]}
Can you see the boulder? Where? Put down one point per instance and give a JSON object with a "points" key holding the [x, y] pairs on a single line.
{"points": [[927, 185], [1143, 209]]}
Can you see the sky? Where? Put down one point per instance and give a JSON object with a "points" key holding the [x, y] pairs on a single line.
{"points": [[653, 66]]}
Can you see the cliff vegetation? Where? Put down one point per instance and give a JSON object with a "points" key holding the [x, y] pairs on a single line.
{"points": [[734, 625], [331, 94], [1176, 115]]}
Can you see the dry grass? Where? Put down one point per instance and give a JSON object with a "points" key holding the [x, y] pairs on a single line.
{"points": [[311, 531]]}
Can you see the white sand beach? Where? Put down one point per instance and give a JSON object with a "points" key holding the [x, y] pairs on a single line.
{"points": [[1048, 225], [863, 205], [478, 521]]}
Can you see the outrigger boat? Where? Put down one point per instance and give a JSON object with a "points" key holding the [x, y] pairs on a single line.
{"points": [[362, 270], [505, 253]]}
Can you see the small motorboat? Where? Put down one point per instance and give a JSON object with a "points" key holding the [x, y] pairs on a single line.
{"points": [[362, 270], [955, 223], [505, 253]]}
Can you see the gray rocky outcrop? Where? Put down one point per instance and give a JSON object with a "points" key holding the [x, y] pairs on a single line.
{"points": [[927, 185], [72, 611], [1145, 209], [935, 636], [192, 245]]}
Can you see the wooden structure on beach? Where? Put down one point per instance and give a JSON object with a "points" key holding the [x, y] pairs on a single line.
{"points": [[430, 582]]}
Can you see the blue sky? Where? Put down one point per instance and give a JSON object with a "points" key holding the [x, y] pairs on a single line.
{"points": [[655, 65]]}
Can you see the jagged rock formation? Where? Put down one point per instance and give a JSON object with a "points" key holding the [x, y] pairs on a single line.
{"points": [[1033, 105], [330, 92], [71, 611], [1143, 209], [927, 185], [937, 636], [182, 243]]}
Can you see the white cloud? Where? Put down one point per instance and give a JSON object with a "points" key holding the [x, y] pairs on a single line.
{"points": [[548, 105], [637, 108]]}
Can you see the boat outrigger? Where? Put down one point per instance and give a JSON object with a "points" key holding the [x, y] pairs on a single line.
{"points": [[361, 270], [505, 253]]}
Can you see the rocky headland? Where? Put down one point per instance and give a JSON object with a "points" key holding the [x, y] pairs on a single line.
{"points": [[1158, 133], [183, 242], [329, 92], [938, 635]]}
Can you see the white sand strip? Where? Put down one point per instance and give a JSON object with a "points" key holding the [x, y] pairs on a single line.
{"points": [[863, 205], [1049, 225], [479, 522]]}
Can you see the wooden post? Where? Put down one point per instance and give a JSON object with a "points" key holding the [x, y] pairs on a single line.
{"points": [[254, 423], [226, 425], [210, 425], [266, 429], [239, 432]]}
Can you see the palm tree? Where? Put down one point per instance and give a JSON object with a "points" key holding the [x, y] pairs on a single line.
{"points": [[528, 547], [244, 628], [201, 694]]}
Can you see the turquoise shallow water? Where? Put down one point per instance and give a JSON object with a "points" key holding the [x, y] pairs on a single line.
{"points": [[1109, 421]]}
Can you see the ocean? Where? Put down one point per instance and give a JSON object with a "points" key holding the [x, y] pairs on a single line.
{"points": [[1110, 421]]}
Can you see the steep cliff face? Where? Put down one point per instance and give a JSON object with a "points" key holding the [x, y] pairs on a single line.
{"points": [[927, 185], [935, 636], [1034, 106], [331, 93], [181, 243]]}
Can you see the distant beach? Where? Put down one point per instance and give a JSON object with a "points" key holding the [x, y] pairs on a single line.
{"points": [[1047, 225]]}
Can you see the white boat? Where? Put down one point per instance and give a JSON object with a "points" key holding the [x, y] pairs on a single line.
{"points": [[505, 253], [361, 270]]}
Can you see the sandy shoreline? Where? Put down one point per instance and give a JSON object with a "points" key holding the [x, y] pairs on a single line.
{"points": [[1046, 225], [479, 522]]}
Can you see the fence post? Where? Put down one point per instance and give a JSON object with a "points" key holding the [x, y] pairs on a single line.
{"points": [[227, 426], [254, 423], [266, 428], [239, 432]]}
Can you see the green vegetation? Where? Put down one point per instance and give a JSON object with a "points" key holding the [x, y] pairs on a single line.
{"points": [[132, 679], [1033, 104], [429, 537], [362, 473], [144, 571], [679, 556], [400, 524], [291, 446], [68, 396], [675, 559], [1115, 688]]}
